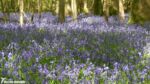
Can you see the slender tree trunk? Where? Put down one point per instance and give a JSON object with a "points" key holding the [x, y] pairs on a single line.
{"points": [[49, 2], [68, 8], [98, 7], [134, 12], [58, 3], [21, 12], [7, 10], [53, 7], [39, 8], [121, 11], [80, 6], [74, 9], [4, 10], [95, 7], [85, 8], [31, 10], [62, 11], [2, 6], [106, 9]]}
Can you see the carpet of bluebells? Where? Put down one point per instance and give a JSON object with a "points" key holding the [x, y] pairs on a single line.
{"points": [[86, 51]]}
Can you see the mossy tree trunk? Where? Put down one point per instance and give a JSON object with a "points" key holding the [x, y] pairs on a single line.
{"points": [[61, 11], [134, 11], [98, 7], [106, 9], [5, 10], [39, 8], [140, 12]]}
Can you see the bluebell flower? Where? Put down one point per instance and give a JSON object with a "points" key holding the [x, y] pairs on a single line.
{"points": [[2, 54], [45, 70], [4, 72], [144, 72], [40, 69], [106, 68], [37, 59], [60, 77], [116, 65], [15, 73], [26, 55], [86, 72], [142, 79], [125, 68], [98, 70], [45, 81], [10, 56], [7, 65], [25, 70], [131, 67]]}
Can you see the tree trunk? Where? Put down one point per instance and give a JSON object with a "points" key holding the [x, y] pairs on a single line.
{"points": [[74, 9], [39, 8], [121, 11], [21, 12], [98, 7], [67, 8], [62, 11], [57, 5], [134, 9], [106, 9], [85, 8], [5, 10]]}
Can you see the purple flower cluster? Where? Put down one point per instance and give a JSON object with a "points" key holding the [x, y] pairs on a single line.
{"points": [[86, 51]]}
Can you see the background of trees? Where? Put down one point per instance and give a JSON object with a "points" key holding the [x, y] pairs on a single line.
{"points": [[138, 9]]}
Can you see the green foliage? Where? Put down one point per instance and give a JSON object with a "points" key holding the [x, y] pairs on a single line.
{"points": [[55, 82]]}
